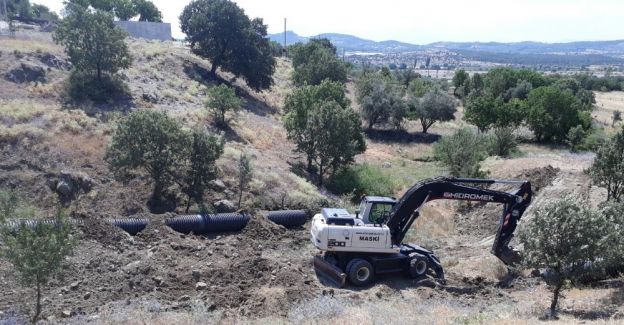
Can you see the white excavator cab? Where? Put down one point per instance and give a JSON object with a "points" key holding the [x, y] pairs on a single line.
{"points": [[375, 209]]}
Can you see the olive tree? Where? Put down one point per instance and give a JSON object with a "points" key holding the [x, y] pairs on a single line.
{"points": [[381, 101], [316, 61], [565, 237], [616, 117], [462, 153], [220, 31], [147, 11], [97, 51], [459, 79], [245, 174], [434, 106], [553, 112], [202, 151], [36, 252], [608, 167], [338, 136], [92, 41], [614, 257], [297, 109], [148, 141]]}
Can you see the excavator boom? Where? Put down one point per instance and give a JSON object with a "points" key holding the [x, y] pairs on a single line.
{"points": [[405, 212]]}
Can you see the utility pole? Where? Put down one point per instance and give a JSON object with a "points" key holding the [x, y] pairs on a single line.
{"points": [[284, 53]]}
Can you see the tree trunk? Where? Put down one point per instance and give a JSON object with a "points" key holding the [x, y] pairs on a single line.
{"points": [[240, 197], [213, 69], [188, 204], [38, 306], [424, 125], [555, 300], [157, 192], [309, 164], [320, 174]]}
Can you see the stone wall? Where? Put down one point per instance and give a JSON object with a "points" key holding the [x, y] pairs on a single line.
{"points": [[146, 30]]}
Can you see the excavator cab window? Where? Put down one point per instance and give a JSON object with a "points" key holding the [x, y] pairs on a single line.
{"points": [[378, 212]]}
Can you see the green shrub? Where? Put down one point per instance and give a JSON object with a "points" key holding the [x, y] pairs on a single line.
{"points": [[608, 168], [502, 142], [361, 180], [462, 153], [562, 237], [575, 138], [86, 86], [37, 253], [614, 212], [594, 138], [222, 100]]}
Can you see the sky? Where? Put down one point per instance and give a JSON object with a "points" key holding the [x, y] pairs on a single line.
{"points": [[423, 22]]}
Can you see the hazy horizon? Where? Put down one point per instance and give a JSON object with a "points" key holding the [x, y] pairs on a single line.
{"points": [[550, 21]]}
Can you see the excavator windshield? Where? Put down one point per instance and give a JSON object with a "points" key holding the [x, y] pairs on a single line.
{"points": [[379, 211]]}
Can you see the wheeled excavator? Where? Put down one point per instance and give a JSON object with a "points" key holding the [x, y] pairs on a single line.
{"points": [[359, 247]]}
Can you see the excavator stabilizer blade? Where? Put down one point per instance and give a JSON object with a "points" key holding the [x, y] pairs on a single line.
{"points": [[329, 271], [509, 256]]}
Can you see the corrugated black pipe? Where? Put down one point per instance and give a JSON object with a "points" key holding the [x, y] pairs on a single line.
{"points": [[130, 225], [288, 218], [202, 224]]}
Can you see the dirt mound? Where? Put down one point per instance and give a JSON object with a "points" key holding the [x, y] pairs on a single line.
{"points": [[97, 228], [260, 228], [259, 271], [540, 177], [481, 219]]}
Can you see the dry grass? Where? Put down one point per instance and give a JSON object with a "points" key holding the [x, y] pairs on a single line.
{"points": [[23, 119], [11, 45], [20, 111], [16, 133], [606, 104]]}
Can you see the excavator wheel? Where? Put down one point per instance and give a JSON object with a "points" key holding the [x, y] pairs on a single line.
{"points": [[360, 272], [419, 264]]}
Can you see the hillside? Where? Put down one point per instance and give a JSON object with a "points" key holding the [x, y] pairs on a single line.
{"points": [[262, 274]]}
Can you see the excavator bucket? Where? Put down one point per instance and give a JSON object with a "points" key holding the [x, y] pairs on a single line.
{"points": [[329, 271]]}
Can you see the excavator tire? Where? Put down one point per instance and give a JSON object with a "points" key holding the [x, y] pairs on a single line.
{"points": [[130, 225], [419, 264], [360, 272], [288, 218]]}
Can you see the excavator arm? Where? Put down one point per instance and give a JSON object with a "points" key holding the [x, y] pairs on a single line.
{"points": [[406, 210]]}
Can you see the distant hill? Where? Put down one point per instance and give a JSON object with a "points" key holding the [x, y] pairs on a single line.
{"points": [[587, 47], [348, 43], [356, 44]]}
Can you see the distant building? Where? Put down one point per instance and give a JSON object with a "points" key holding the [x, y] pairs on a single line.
{"points": [[146, 30]]}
